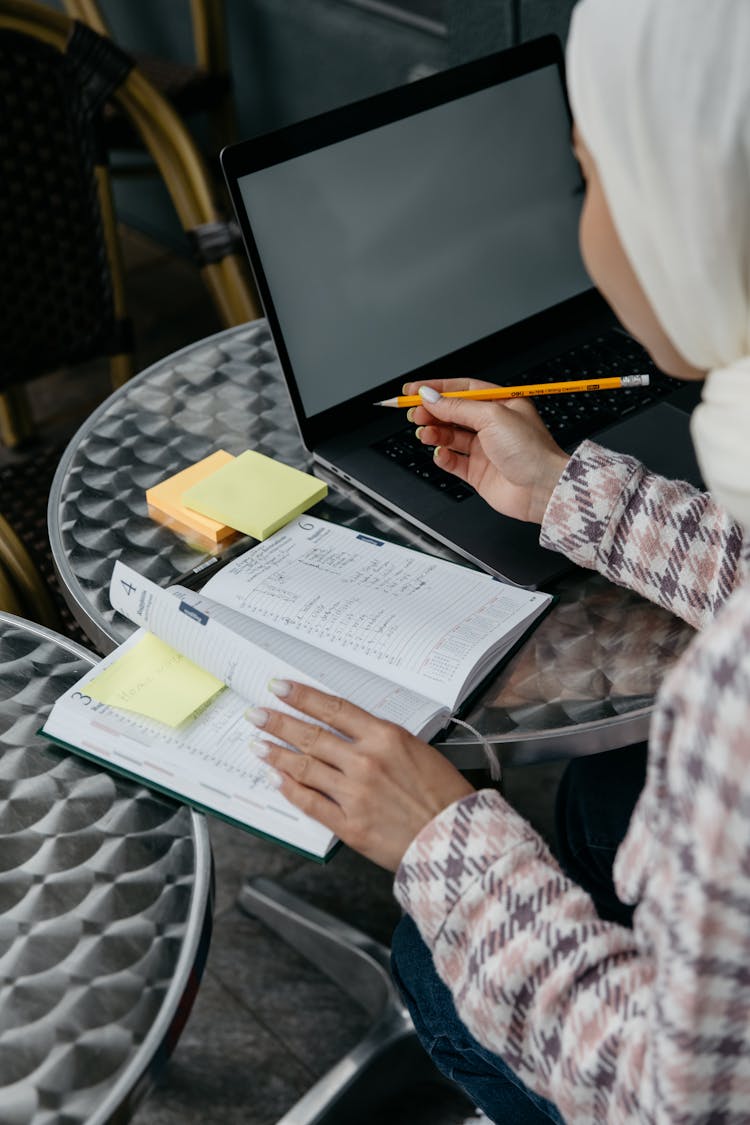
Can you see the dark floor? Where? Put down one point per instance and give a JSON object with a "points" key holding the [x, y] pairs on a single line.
{"points": [[265, 1024]]}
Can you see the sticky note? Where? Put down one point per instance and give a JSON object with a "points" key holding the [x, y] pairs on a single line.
{"points": [[255, 494], [165, 500], [153, 680]]}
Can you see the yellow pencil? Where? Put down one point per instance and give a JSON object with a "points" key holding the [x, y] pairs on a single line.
{"points": [[488, 394]]}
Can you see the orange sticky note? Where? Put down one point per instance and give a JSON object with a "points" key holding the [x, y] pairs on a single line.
{"points": [[165, 500], [256, 494]]}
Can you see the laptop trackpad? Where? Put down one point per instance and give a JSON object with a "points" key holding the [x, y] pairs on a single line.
{"points": [[659, 437]]}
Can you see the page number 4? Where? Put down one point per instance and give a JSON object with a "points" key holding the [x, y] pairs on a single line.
{"points": [[128, 587]]}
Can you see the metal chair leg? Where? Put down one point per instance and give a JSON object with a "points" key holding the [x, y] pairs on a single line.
{"points": [[389, 1057]]}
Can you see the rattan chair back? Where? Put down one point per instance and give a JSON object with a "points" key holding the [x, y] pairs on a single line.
{"points": [[202, 85], [63, 300], [58, 299]]}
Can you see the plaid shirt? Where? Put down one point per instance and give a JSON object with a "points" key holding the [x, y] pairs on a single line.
{"points": [[610, 1024]]}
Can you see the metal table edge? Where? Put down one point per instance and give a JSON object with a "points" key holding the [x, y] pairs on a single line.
{"points": [[133, 1083], [528, 747], [153, 1052], [69, 583]]}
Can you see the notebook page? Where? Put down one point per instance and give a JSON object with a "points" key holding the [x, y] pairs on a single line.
{"points": [[206, 761], [245, 654], [237, 662], [371, 692], [421, 621]]}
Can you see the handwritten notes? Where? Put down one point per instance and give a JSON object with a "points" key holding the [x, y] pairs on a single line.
{"points": [[414, 619], [255, 494], [153, 680]]}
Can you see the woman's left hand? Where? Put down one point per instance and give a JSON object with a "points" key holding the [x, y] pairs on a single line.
{"points": [[372, 783]]}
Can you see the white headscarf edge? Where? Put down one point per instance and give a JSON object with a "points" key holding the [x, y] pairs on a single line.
{"points": [[660, 90]]}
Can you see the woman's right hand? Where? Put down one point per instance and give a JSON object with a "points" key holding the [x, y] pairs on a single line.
{"points": [[502, 449]]}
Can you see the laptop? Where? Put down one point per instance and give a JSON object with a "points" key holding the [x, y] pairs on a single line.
{"points": [[432, 231]]}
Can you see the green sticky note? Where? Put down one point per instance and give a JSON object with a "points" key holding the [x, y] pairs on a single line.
{"points": [[154, 680], [255, 494]]}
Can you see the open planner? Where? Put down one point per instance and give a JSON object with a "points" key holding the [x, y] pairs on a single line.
{"points": [[404, 635]]}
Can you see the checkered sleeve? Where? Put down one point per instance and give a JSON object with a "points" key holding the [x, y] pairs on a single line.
{"points": [[647, 1026], [662, 538], [528, 962]]}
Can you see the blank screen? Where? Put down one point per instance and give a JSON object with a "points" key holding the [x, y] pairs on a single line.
{"points": [[400, 245]]}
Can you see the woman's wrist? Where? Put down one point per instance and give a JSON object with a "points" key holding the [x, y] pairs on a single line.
{"points": [[554, 467]]}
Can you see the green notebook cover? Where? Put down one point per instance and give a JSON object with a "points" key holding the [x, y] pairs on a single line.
{"points": [[147, 783]]}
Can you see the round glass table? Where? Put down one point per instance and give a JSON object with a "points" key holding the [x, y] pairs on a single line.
{"points": [[583, 682], [105, 909]]}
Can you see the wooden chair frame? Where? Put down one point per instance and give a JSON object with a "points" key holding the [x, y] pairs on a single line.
{"points": [[186, 178], [211, 51], [22, 589]]}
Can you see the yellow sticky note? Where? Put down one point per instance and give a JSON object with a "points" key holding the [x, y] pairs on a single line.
{"points": [[165, 500], [255, 494], [154, 680]]}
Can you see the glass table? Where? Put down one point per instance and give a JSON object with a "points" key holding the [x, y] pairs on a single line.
{"points": [[583, 682], [105, 909]]}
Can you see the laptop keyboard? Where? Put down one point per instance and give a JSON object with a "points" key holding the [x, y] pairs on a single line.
{"points": [[570, 418], [406, 450]]}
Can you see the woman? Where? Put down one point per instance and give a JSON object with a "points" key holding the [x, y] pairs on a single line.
{"points": [[560, 1014]]}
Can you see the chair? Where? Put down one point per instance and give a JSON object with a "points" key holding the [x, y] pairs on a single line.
{"points": [[61, 288], [202, 87], [22, 589], [389, 1059]]}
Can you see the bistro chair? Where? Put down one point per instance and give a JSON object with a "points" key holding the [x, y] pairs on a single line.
{"points": [[389, 1061], [61, 287], [202, 86], [22, 589]]}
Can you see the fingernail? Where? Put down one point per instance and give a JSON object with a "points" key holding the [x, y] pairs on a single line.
{"points": [[436, 452], [429, 394], [273, 778], [279, 687], [410, 414], [405, 388], [257, 716], [417, 432], [260, 749]]}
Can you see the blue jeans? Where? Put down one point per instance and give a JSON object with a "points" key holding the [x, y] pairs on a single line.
{"points": [[488, 1081], [594, 804]]}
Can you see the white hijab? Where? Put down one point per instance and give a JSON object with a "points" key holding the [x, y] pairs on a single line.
{"points": [[660, 90]]}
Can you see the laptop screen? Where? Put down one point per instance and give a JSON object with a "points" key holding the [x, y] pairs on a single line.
{"points": [[391, 248]]}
